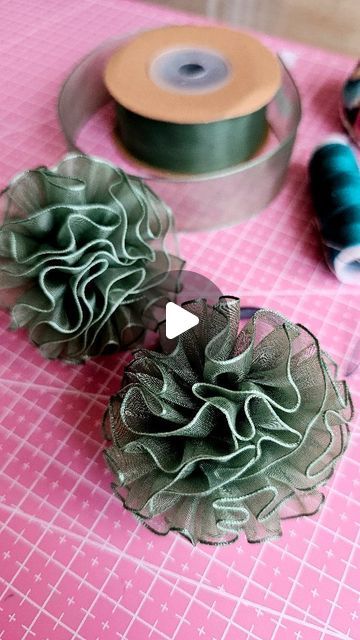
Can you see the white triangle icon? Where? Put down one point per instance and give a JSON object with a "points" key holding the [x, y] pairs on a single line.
{"points": [[178, 320]]}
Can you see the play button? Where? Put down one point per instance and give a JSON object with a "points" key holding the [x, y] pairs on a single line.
{"points": [[178, 320], [168, 312]]}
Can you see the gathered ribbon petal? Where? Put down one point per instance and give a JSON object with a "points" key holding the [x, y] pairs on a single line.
{"points": [[82, 257], [230, 430]]}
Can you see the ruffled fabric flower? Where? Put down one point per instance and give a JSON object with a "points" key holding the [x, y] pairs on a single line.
{"points": [[82, 257], [229, 431]]}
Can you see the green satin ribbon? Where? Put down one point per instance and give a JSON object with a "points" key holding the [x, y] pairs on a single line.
{"points": [[230, 431], [82, 257], [194, 148]]}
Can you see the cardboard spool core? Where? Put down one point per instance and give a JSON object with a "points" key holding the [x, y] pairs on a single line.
{"points": [[252, 78]]}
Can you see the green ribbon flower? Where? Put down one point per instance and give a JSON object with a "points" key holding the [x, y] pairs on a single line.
{"points": [[82, 257], [230, 431]]}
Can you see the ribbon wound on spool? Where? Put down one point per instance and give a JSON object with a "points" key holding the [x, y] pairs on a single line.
{"points": [[192, 99]]}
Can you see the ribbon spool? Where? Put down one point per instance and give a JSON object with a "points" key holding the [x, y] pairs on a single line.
{"points": [[350, 105], [192, 99], [335, 186], [199, 201]]}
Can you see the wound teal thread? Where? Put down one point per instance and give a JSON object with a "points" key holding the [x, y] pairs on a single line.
{"points": [[335, 187]]}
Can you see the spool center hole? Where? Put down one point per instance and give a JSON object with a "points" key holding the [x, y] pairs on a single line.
{"points": [[192, 70]]}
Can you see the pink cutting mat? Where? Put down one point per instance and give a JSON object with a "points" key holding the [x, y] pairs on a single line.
{"points": [[73, 564]]}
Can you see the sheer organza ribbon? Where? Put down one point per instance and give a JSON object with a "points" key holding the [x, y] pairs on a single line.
{"points": [[82, 257], [230, 430]]}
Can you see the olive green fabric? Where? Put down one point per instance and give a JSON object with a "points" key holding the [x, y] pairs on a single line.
{"points": [[82, 257], [230, 430], [192, 148]]}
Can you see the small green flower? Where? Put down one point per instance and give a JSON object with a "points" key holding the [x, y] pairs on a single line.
{"points": [[231, 430], [81, 256]]}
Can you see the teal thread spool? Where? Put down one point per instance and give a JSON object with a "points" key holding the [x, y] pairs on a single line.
{"points": [[335, 187]]}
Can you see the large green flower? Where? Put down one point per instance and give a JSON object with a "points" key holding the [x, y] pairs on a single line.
{"points": [[82, 256], [230, 430]]}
